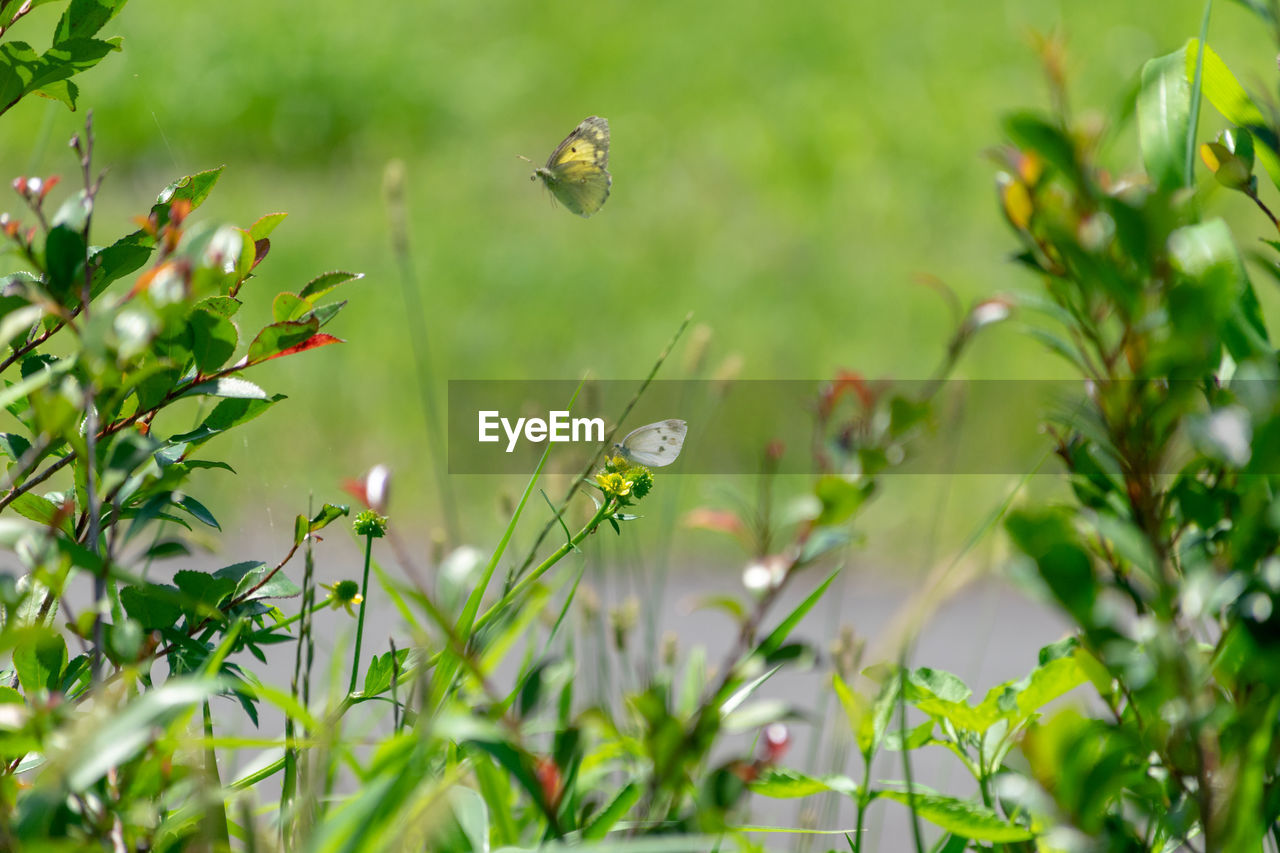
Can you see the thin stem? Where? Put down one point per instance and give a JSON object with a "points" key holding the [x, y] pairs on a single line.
{"points": [[906, 753], [606, 509], [420, 338], [607, 444], [364, 601]]}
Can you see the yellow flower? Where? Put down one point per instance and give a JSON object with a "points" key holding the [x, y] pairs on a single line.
{"points": [[613, 485], [343, 594]]}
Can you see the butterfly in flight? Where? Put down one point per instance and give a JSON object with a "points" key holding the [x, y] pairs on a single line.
{"points": [[577, 171]]}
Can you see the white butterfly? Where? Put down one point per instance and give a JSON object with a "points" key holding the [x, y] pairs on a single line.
{"points": [[654, 444]]}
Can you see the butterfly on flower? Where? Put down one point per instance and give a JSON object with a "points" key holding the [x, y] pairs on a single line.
{"points": [[577, 171], [655, 444]]}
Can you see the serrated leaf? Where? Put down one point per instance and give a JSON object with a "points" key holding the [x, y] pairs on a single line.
{"points": [[262, 229], [278, 338], [289, 306], [41, 510], [154, 606], [781, 783], [13, 445], [84, 18], [194, 188], [328, 514], [204, 593], [249, 578], [322, 284], [962, 817]]}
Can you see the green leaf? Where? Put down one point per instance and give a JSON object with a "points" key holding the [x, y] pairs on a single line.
{"points": [[227, 415], [510, 759], [41, 510], [328, 514], [123, 733], [1048, 682], [39, 658], [228, 386], [962, 817], [193, 188], [289, 306], [1223, 90], [1030, 132], [83, 18], [121, 258], [322, 284], [472, 814], [262, 229], [278, 337], [381, 670], [916, 737], [154, 606], [13, 445], [197, 510], [250, 574], [64, 254], [1218, 291], [781, 784], [609, 816], [1164, 114], [213, 339], [841, 498], [942, 695], [19, 322], [204, 593], [778, 635], [1047, 537]]}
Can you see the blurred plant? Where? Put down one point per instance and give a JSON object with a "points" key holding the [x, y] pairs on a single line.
{"points": [[1164, 556]]}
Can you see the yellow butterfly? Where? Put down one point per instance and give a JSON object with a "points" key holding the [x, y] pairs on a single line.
{"points": [[576, 172]]}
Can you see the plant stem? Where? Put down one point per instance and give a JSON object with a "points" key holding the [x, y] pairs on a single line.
{"points": [[906, 753], [606, 509], [364, 601]]}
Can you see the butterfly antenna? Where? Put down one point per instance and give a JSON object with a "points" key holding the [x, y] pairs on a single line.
{"points": [[524, 158]]}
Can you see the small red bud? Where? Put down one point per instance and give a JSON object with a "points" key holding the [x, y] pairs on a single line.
{"points": [[777, 740], [549, 780]]}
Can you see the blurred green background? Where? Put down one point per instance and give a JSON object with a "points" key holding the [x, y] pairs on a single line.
{"points": [[785, 171]]}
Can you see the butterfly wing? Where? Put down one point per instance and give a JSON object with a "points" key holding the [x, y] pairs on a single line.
{"points": [[576, 172], [655, 444]]}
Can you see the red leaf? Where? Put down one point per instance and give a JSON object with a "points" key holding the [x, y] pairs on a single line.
{"points": [[260, 249], [317, 340]]}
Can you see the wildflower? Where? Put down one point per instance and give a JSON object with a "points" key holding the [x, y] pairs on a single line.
{"points": [[373, 489], [613, 484], [343, 594], [776, 742], [369, 523], [765, 574], [641, 481]]}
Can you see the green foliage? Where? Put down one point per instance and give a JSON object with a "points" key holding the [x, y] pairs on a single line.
{"points": [[123, 362], [1162, 560], [24, 70]]}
